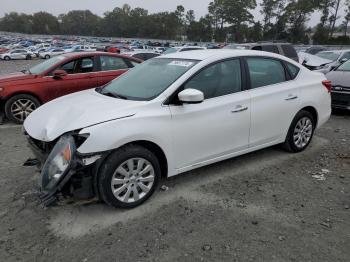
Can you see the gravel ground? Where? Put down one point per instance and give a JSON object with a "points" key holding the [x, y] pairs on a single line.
{"points": [[265, 206], [7, 67]]}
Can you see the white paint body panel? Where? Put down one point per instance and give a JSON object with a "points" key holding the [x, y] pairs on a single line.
{"points": [[190, 135]]}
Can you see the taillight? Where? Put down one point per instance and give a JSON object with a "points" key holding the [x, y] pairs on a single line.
{"points": [[327, 84]]}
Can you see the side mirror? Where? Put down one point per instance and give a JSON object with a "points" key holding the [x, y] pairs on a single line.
{"points": [[58, 74], [191, 96]]}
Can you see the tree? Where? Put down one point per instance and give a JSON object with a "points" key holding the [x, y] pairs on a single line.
{"points": [[80, 22], [45, 23], [298, 13], [236, 13], [15, 22]]}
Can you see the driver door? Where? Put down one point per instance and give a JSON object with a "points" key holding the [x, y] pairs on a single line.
{"points": [[80, 76], [217, 127]]}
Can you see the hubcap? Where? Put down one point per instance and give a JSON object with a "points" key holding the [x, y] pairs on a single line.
{"points": [[21, 109], [302, 132], [132, 180]]}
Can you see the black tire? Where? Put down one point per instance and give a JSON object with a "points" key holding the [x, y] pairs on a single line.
{"points": [[10, 104], [290, 145], [7, 58], [47, 57], [28, 57], [111, 164]]}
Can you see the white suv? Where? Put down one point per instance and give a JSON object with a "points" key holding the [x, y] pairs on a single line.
{"points": [[172, 114]]}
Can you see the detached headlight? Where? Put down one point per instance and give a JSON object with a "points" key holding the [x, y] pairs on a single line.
{"points": [[58, 162]]}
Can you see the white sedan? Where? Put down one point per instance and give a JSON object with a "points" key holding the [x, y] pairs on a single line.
{"points": [[51, 53], [172, 114], [17, 54]]}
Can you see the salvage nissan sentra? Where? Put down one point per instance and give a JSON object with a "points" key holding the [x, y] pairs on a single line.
{"points": [[172, 114]]}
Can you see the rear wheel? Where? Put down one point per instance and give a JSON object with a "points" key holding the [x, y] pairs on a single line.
{"points": [[18, 107], [47, 57], [7, 58], [128, 177], [300, 132], [28, 57]]}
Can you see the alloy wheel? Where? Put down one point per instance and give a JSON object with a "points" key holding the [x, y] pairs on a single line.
{"points": [[21, 108], [303, 132], [133, 180]]}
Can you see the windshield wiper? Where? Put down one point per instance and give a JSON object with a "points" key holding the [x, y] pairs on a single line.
{"points": [[114, 95]]}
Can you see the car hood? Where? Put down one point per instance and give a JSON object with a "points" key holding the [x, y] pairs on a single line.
{"points": [[15, 77], [76, 111], [312, 60], [339, 78]]}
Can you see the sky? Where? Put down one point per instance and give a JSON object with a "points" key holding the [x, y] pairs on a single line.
{"points": [[98, 7]]}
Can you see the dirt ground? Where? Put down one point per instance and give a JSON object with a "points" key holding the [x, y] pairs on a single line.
{"points": [[265, 206]]}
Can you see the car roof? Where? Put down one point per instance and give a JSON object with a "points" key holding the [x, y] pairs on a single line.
{"points": [[82, 54], [336, 51], [218, 53]]}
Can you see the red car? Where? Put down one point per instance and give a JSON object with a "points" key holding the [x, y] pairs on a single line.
{"points": [[21, 93]]}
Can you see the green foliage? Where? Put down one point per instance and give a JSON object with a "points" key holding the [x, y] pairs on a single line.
{"points": [[226, 19]]}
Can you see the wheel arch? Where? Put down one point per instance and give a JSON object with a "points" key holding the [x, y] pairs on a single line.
{"points": [[312, 110], [23, 93], [157, 150]]}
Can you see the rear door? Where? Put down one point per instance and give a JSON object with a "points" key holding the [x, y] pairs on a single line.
{"points": [[274, 99], [111, 67]]}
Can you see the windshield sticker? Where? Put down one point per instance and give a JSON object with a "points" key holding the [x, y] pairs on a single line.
{"points": [[181, 63]]}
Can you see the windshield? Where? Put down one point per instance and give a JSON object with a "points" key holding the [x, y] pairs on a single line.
{"points": [[328, 55], [149, 79], [42, 67], [344, 67]]}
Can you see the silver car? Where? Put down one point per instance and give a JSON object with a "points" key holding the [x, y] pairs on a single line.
{"points": [[340, 78]]}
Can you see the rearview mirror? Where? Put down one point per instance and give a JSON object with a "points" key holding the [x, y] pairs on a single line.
{"points": [[191, 96], [59, 74]]}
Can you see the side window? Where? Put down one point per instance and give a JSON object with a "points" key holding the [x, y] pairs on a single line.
{"points": [[219, 79], [86, 65], [112, 63], [265, 71], [289, 51], [68, 67], [258, 48], [293, 70], [270, 48]]}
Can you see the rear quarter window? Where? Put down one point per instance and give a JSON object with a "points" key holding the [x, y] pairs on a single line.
{"points": [[293, 70], [289, 51]]}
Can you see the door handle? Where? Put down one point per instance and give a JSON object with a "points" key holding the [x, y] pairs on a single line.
{"points": [[291, 97], [239, 109]]}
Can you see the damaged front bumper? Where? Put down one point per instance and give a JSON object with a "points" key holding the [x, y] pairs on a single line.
{"points": [[64, 170]]}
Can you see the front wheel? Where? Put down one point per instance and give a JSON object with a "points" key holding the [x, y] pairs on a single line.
{"points": [[7, 58], [128, 177], [47, 57], [28, 57], [300, 132], [18, 107]]}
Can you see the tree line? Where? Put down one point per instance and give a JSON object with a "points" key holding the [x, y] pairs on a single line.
{"points": [[226, 20]]}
